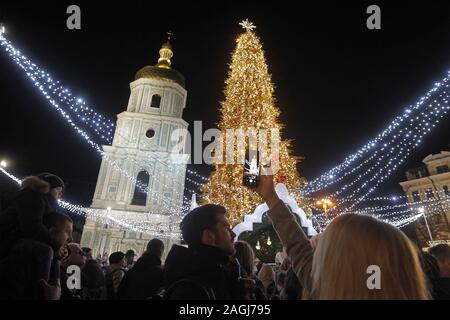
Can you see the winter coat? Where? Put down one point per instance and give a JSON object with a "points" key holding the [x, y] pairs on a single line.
{"points": [[25, 217], [296, 242], [143, 280], [207, 268]]}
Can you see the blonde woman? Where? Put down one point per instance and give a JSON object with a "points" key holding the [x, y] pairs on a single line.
{"points": [[246, 258], [343, 260]]}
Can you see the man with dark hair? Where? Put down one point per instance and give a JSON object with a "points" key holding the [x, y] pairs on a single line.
{"points": [[115, 273], [60, 229], [441, 252], [146, 277], [204, 270]]}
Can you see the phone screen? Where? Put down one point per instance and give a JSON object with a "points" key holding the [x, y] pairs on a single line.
{"points": [[251, 169]]}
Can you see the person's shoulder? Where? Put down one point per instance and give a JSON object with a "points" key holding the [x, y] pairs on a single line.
{"points": [[30, 198]]}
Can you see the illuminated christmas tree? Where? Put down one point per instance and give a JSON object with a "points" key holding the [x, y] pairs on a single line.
{"points": [[249, 103]]}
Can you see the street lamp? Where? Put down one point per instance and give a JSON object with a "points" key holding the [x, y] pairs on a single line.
{"points": [[422, 211], [3, 163], [325, 203], [258, 246]]}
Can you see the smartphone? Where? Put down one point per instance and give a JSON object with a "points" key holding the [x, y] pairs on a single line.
{"points": [[251, 169]]}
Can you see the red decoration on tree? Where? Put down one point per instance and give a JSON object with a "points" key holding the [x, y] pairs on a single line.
{"points": [[282, 179]]}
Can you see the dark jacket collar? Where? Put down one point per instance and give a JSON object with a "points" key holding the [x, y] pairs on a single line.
{"points": [[212, 253], [200, 260]]}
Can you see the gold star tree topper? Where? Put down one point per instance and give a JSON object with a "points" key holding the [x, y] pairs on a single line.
{"points": [[247, 25]]}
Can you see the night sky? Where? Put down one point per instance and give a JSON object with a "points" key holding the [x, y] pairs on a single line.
{"points": [[337, 83]]}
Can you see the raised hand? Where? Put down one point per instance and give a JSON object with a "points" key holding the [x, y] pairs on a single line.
{"points": [[266, 189]]}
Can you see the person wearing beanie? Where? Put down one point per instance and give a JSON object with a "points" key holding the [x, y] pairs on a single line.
{"points": [[23, 231], [55, 183]]}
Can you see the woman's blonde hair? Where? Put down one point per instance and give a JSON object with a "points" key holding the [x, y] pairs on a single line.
{"points": [[352, 243], [246, 256]]}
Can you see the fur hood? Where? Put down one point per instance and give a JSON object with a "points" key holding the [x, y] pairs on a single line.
{"points": [[35, 184]]}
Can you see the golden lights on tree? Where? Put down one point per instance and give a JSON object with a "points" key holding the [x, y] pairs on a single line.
{"points": [[249, 103]]}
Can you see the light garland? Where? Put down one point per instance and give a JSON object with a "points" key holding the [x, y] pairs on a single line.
{"points": [[76, 105], [105, 216], [102, 126], [381, 142], [171, 207], [438, 110], [388, 166]]}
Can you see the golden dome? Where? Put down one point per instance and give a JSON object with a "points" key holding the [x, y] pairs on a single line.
{"points": [[162, 70], [155, 72]]}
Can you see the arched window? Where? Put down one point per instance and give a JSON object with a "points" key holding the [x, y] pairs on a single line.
{"points": [[156, 101], [140, 196]]}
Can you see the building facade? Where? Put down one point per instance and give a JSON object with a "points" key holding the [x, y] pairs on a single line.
{"points": [[140, 185], [427, 189]]}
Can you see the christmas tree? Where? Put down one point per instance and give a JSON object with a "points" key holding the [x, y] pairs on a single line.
{"points": [[249, 103]]}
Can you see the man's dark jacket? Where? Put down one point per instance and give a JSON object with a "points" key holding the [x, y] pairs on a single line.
{"points": [[143, 280], [207, 268]]}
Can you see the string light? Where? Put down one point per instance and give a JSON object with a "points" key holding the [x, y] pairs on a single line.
{"points": [[152, 224], [52, 89], [437, 110], [171, 207], [385, 139], [18, 181], [397, 139], [101, 125]]}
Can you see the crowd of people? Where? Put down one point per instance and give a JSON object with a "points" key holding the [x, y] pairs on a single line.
{"points": [[38, 256]]}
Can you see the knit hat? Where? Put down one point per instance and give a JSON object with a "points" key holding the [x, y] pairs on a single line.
{"points": [[53, 180]]}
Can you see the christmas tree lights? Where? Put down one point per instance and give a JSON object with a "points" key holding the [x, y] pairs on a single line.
{"points": [[249, 103]]}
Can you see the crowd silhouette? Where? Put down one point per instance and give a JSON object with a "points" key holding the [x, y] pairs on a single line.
{"points": [[37, 253]]}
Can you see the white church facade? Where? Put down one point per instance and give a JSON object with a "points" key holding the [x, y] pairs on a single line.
{"points": [[141, 178]]}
